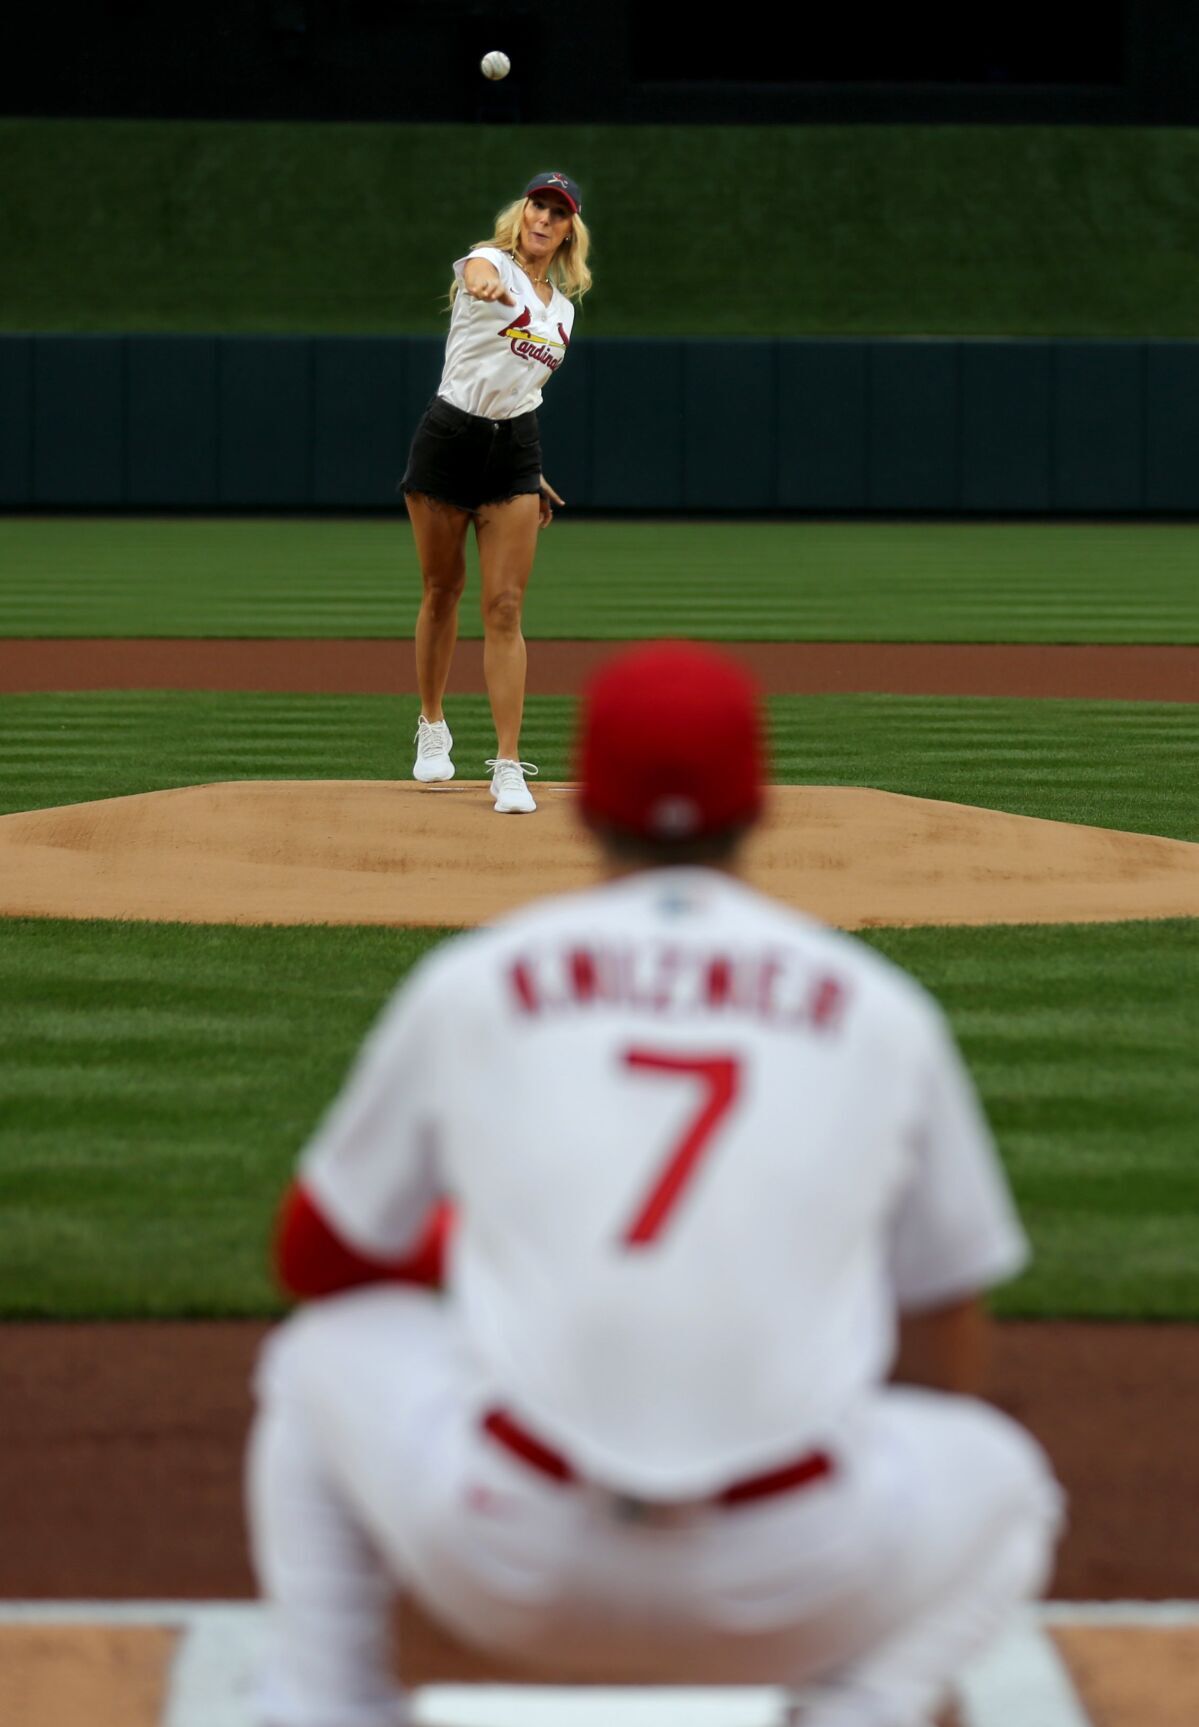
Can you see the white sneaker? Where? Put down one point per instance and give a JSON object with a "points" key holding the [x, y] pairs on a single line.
{"points": [[433, 746], [512, 796]]}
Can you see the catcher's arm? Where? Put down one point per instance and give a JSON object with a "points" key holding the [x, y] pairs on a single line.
{"points": [[312, 1260]]}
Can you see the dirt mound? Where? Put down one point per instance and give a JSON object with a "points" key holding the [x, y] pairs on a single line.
{"points": [[315, 851]]}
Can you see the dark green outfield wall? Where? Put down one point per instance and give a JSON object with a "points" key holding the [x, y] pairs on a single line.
{"points": [[795, 317], [209, 423], [749, 230]]}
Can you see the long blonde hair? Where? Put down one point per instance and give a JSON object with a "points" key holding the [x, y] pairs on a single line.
{"points": [[569, 268]]}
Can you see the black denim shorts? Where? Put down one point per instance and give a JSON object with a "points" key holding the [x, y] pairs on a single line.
{"points": [[468, 461]]}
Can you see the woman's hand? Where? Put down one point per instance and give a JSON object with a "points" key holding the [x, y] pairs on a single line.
{"points": [[547, 499], [482, 282]]}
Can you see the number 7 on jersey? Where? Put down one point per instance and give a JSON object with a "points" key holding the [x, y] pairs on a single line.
{"points": [[719, 1077]]}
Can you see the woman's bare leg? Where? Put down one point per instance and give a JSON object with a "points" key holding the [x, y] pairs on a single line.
{"points": [[507, 535], [440, 534]]}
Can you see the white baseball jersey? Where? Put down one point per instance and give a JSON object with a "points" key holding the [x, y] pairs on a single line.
{"points": [[701, 1146], [497, 357]]}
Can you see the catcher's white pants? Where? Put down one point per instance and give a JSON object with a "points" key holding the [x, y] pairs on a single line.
{"points": [[368, 1468]]}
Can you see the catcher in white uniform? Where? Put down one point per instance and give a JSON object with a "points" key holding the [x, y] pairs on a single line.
{"points": [[708, 1161]]}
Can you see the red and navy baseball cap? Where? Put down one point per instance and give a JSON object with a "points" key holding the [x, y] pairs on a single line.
{"points": [[561, 183], [670, 744]]}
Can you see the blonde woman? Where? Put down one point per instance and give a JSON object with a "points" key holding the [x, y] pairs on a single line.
{"points": [[476, 457]]}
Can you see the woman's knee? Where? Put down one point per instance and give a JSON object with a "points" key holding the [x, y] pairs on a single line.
{"points": [[502, 610], [443, 590]]}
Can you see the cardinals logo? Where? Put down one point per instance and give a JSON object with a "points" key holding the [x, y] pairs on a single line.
{"points": [[536, 348], [518, 324]]}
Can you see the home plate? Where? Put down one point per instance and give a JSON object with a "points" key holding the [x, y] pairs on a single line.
{"points": [[598, 1706]]}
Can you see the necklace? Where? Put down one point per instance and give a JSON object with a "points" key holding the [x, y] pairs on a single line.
{"points": [[537, 281]]}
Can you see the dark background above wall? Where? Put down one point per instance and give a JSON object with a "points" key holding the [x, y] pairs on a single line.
{"points": [[1115, 61]]}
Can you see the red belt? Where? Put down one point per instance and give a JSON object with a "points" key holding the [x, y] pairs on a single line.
{"points": [[812, 1466]]}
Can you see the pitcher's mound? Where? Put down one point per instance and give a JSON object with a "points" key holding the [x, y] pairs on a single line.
{"points": [[368, 851]]}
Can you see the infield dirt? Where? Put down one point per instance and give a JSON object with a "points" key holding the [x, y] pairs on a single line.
{"points": [[370, 852], [1111, 672]]}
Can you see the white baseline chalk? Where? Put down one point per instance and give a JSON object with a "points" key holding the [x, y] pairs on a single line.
{"points": [[1152, 1615], [598, 1706], [1021, 1680], [214, 1674]]}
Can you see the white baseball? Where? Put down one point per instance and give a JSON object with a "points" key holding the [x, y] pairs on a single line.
{"points": [[495, 64]]}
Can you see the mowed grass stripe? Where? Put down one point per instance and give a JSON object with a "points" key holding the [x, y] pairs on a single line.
{"points": [[1104, 764], [155, 1082], [160, 1079], [724, 580], [1082, 1043]]}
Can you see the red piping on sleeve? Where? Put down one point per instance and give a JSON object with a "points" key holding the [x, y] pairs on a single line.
{"points": [[311, 1259]]}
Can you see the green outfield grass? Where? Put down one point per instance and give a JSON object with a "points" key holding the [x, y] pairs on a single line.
{"points": [[160, 1079], [904, 230], [1106, 764], [725, 580]]}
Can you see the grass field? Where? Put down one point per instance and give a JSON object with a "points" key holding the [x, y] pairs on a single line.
{"points": [[160, 1079], [876, 230], [725, 580], [1105, 764]]}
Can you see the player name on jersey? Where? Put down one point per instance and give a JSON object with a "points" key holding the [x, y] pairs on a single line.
{"points": [[779, 989]]}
